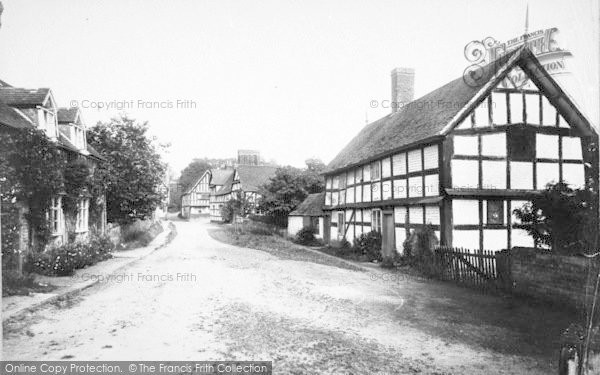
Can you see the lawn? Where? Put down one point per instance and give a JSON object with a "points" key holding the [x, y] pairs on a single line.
{"points": [[275, 245]]}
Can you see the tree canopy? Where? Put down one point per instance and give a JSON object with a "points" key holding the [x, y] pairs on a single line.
{"points": [[134, 169], [289, 187], [193, 172], [561, 218]]}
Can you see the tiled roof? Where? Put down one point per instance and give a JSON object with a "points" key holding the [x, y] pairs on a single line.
{"points": [[67, 115], [253, 176], [311, 206], [421, 119], [19, 97]]}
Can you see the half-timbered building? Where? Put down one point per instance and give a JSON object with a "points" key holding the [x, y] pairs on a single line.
{"points": [[195, 201], [220, 186], [461, 159], [245, 179]]}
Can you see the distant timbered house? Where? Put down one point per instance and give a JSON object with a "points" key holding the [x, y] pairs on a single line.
{"points": [[462, 158], [246, 179], [195, 201]]}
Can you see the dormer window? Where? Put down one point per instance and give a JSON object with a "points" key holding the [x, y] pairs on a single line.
{"points": [[47, 122]]}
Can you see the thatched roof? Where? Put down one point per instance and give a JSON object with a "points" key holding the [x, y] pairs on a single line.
{"points": [[311, 206], [417, 122], [220, 176], [253, 176]]}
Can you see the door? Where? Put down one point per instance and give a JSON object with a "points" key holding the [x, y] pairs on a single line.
{"points": [[341, 225], [327, 228], [388, 235]]}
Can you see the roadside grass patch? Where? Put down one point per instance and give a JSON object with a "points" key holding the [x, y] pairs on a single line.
{"points": [[274, 245], [16, 284], [139, 234]]}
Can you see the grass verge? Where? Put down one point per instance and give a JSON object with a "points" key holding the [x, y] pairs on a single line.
{"points": [[275, 245]]}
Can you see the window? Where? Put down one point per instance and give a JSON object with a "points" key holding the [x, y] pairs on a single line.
{"points": [[83, 207], [375, 171], [56, 215], [521, 144], [495, 212], [376, 220]]}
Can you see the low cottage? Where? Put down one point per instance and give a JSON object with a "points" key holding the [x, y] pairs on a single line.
{"points": [[461, 159], [309, 213]]}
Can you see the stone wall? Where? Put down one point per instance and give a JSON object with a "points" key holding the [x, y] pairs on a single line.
{"points": [[540, 275]]}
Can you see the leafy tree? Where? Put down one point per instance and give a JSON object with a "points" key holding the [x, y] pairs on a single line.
{"points": [[562, 218], [193, 172], [134, 170], [238, 206], [288, 188]]}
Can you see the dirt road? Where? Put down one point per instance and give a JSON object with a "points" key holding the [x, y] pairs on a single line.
{"points": [[199, 299]]}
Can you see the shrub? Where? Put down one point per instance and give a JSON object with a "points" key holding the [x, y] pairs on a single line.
{"points": [[64, 260], [422, 241], [419, 248], [140, 232], [369, 245], [305, 236]]}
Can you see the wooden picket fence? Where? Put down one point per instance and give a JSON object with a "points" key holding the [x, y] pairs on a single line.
{"points": [[474, 268]]}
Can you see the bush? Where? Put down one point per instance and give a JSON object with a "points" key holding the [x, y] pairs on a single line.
{"points": [[419, 248], [421, 242], [305, 236], [369, 245], [140, 232], [64, 260]]}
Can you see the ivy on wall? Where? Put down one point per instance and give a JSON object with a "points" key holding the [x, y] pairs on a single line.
{"points": [[33, 171]]}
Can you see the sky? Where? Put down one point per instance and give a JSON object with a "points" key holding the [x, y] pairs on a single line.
{"points": [[292, 79]]}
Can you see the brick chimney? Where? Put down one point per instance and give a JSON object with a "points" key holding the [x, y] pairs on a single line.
{"points": [[403, 87]]}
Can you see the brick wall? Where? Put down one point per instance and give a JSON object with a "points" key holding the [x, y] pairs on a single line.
{"points": [[553, 278]]}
